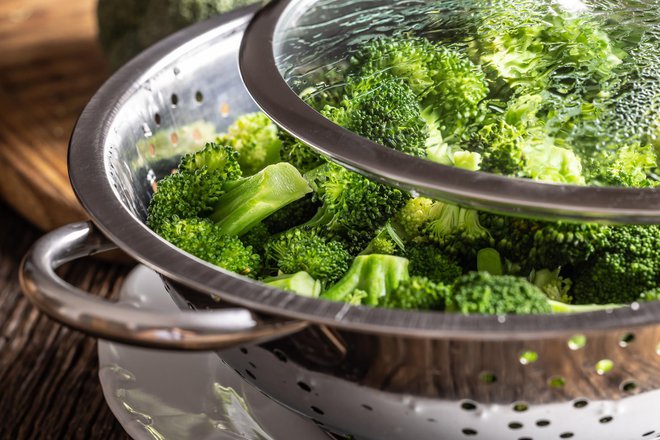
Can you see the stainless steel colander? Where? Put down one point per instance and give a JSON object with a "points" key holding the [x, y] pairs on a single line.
{"points": [[293, 46], [375, 374]]}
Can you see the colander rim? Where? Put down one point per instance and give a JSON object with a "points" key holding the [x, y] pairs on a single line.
{"points": [[90, 181]]}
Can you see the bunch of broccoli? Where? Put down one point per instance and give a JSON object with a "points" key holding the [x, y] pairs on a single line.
{"points": [[529, 99]]}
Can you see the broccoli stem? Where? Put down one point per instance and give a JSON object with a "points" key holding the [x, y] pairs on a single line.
{"points": [[301, 283], [489, 260], [254, 198], [375, 274], [560, 307]]}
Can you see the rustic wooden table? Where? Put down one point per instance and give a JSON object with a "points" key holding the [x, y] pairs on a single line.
{"points": [[49, 387]]}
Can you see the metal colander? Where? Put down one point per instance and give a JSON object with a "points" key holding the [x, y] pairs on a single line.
{"points": [[301, 48], [375, 374]]}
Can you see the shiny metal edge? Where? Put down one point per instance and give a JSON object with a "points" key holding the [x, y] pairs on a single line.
{"points": [[88, 177], [206, 330], [485, 191]]}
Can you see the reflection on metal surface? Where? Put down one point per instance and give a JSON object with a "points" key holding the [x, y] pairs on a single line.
{"points": [[175, 396]]}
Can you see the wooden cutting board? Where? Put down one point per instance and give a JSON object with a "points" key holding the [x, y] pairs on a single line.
{"points": [[50, 65]]}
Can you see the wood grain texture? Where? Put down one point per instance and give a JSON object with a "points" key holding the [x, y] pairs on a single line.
{"points": [[51, 65], [49, 386]]}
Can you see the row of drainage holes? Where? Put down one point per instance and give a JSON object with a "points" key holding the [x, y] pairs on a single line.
{"points": [[471, 432], [522, 407], [602, 367], [468, 405], [174, 100]]}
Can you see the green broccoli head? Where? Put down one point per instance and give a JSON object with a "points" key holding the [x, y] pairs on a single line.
{"points": [[417, 293], [196, 187], [384, 110], [537, 45], [354, 208], [628, 266], [500, 146], [430, 262], [204, 239], [629, 166], [480, 292], [302, 249], [457, 232], [440, 77], [414, 217], [542, 244], [299, 154], [650, 295], [255, 137]]}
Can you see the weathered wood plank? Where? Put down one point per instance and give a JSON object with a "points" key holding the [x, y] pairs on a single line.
{"points": [[49, 386]]}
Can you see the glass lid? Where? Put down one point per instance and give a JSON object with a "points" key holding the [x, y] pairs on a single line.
{"points": [[544, 108]]}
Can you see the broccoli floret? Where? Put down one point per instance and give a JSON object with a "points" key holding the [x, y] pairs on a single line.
{"points": [[257, 237], [204, 239], [628, 266], [555, 287], [387, 242], [194, 190], [428, 261], [256, 139], [547, 162], [417, 293], [301, 283], [457, 232], [302, 249], [536, 45], [250, 200], [439, 76], [650, 295], [629, 166], [414, 216], [354, 208], [480, 292], [518, 143], [411, 59], [543, 244], [299, 154], [453, 230], [370, 279], [385, 111], [207, 190], [500, 147], [292, 215]]}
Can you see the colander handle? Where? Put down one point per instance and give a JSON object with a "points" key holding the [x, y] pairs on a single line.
{"points": [[203, 330]]}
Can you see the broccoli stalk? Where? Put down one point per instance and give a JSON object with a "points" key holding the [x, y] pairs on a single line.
{"points": [[560, 307], [251, 200], [489, 260], [372, 277], [300, 283], [206, 205]]}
